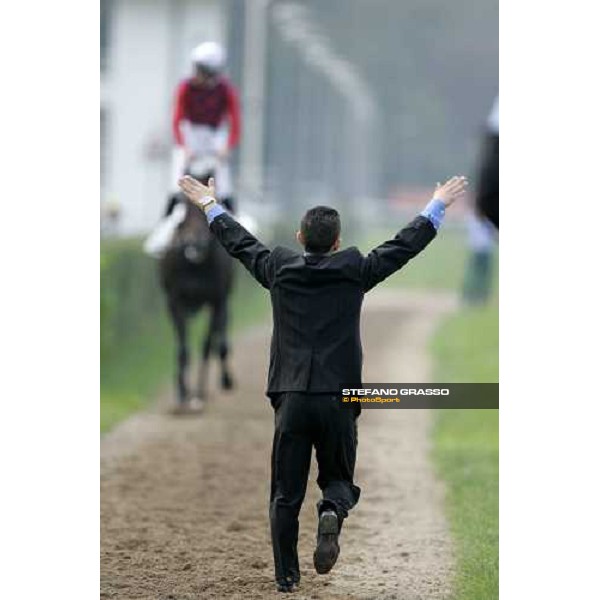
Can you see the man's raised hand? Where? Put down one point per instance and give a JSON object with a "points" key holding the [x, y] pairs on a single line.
{"points": [[452, 190], [196, 191]]}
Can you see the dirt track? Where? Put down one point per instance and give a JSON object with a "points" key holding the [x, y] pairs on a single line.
{"points": [[184, 499]]}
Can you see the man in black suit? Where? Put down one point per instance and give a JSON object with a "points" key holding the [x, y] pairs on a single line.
{"points": [[315, 350]]}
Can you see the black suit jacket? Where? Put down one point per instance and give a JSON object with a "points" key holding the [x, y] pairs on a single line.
{"points": [[316, 302]]}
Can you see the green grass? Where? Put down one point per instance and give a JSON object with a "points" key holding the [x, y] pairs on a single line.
{"points": [[440, 266], [466, 449], [136, 369], [465, 349], [466, 346]]}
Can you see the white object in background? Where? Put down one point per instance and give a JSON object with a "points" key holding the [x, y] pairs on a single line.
{"points": [[209, 163], [249, 223], [158, 241], [223, 183], [206, 163], [210, 55], [493, 121], [206, 144], [480, 233], [177, 167]]}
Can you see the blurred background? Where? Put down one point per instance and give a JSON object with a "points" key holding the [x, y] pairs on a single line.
{"points": [[359, 104], [341, 99]]}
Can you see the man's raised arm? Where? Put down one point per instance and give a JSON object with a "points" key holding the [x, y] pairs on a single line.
{"points": [[238, 242], [392, 255]]}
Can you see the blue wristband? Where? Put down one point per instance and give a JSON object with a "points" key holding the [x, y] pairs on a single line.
{"points": [[213, 212], [435, 211]]}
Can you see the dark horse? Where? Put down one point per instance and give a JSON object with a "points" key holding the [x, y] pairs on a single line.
{"points": [[196, 272]]}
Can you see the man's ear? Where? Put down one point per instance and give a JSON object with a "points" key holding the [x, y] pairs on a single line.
{"points": [[300, 238], [336, 244]]}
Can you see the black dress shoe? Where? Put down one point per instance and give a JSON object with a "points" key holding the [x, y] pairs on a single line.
{"points": [[328, 547]]}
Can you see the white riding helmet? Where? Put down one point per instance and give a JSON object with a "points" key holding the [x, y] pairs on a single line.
{"points": [[209, 55]]}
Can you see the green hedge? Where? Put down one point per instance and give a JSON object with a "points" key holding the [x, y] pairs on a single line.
{"points": [[130, 295], [137, 342]]}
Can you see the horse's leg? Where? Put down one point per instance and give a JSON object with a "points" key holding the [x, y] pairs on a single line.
{"points": [[180, 323], [205, 356], [221, 342]]}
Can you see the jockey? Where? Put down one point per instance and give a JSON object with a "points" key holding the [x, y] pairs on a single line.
{"points": [[206, 128], [206, 120]]}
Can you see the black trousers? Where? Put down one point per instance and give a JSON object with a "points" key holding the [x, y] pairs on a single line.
{"points": [[301, 422]]}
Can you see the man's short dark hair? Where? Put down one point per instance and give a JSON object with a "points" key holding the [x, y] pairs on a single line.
{"points": [[320, 227]]}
